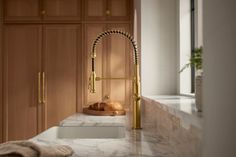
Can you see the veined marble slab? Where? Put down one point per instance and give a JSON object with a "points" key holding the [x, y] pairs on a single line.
{"points": [[81, 119], [164, 133], [182, 107], [136, 143]]}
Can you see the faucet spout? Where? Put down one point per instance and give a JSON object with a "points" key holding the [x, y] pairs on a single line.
{"points": [[136, 78]]}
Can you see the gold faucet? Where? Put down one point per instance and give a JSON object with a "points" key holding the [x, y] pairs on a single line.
{"points": [[136, 79]]}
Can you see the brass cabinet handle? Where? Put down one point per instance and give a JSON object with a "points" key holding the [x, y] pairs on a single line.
{"points": [[43, 12], [43, 86], [39, 88], [108, 12]]}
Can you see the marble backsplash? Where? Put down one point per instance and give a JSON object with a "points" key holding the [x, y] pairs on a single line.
{"points": [[182, 130]]}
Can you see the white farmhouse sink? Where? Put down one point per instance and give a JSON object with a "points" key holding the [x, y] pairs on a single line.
{"points": [[85, 132]]}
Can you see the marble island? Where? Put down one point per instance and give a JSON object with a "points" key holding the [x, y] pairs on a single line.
{"points": [[136, 143], [163, 135]]}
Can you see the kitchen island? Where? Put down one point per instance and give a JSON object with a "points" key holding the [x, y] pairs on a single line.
{"points": [[136, 143]]}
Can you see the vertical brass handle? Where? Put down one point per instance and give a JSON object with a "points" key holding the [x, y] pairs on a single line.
{"points": [[39, 88], [43, 86]]}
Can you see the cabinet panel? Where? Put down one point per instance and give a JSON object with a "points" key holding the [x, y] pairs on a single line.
{"points": [[22, 10], [95, 9], [119, 9], [62, 9], [91, 31], [119, 57], [1, 72], [113, 60], [107, 10], [61, 47], [22, 64]]}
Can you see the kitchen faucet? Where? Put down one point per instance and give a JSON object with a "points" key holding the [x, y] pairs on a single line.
{"points": [[136, 79]]}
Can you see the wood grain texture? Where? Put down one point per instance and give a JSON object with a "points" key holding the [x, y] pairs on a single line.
{"points": [[113, 60], [112, 10], [21, 66], [60, 44], [95, 9], [28, 10], [1, 73], [62, 9], [90, 33], [119, 65], [103, 113], [119, 9]]}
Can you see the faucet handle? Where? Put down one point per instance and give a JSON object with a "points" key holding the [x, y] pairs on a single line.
{"points": [[91, 85]]}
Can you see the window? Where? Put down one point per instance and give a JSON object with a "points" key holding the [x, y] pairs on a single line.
{"points": [[192, 3], [190, 37]]}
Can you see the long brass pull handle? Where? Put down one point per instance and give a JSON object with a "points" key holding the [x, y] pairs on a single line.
{"points": [[39, 88], [43, 86]]}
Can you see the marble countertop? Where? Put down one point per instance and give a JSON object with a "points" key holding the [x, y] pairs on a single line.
{"points": [[181, 106], [137, 143], [81, 119], [180, 103]]}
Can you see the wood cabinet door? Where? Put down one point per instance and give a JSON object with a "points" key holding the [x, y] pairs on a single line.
{"points": [[113, 59], [1, 75], [119, 55], [62, 9], [61, 45], [119, 9], [22, 10], [90, 33], [112, 10], [22, 49], [95, 9]]}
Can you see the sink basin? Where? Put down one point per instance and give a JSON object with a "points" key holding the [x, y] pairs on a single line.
{"points": [[83, 132]]}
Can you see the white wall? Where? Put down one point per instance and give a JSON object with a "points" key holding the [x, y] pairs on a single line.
{"points": [[184, 45], [219, 84], [199, 23], [137, 23], [159, 47]]}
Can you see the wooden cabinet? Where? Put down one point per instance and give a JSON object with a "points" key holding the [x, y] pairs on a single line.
{"points": [[25, 10], [107, 10], [44, 38], [61, 9], [1, 75], [61, 51], [46, 10], [21, 66], [95, 9], [53, 52], [90, 33], [119, 58], [113, 60]]}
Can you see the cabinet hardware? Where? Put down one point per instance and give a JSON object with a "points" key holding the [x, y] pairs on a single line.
{"points": [[39, 88], [43, 84], [43, 12], [108, 12]]}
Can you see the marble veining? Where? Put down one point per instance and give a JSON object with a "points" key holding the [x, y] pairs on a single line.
{"points": [[168, 131], [182, 129], [81, 119], [137, 143], [183, 107]]}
